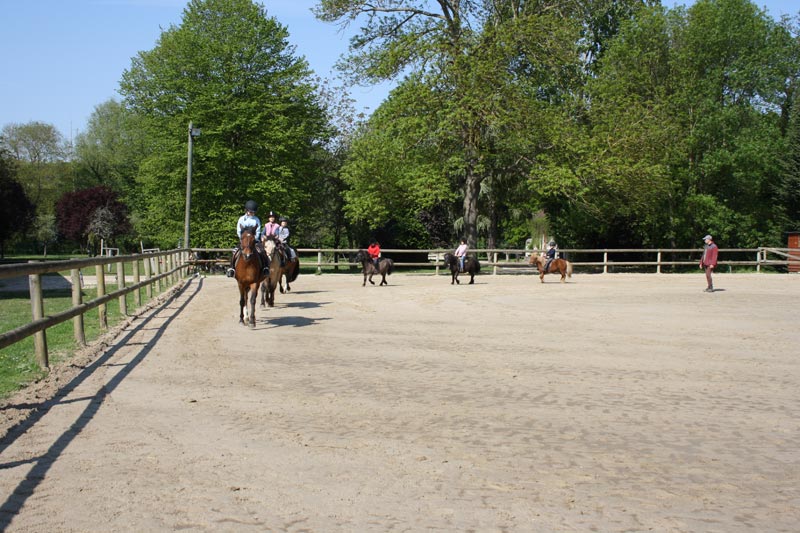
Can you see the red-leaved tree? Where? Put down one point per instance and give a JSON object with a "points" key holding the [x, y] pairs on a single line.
{"points": [[75, 212]]}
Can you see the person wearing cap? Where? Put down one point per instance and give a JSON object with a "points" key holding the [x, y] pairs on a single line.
{"points": [[248, 220], [709, 260], [282, 235], [550, 255], [271, 227]]}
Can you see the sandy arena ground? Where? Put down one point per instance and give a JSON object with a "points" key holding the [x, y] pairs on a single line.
{"points": [[610, 403]]}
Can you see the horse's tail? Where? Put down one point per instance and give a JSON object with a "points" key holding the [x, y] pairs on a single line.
{"points": [[477, 264], [569, 269], [390, 266]]}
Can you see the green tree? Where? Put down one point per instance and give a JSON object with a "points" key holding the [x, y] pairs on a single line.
{"points": [[17, 209], [110, 150], [463, 61], [41, 154], [228, 69]]}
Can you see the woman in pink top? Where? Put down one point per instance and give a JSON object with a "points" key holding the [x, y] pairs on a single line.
{"points": [[461, 253]]}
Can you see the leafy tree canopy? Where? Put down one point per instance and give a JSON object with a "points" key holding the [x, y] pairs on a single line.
{"points": [[228, 69]]}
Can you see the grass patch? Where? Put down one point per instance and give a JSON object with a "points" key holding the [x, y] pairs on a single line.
{"points": [[18, 362]]}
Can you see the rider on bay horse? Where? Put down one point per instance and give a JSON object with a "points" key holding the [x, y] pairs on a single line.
{"points": [[551, 255], [248, 220]]}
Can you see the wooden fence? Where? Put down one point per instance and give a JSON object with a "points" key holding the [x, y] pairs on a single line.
{"points": [[171, 266], [158, 267], [505, 260]]}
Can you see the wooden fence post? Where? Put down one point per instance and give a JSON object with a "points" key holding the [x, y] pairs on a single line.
{"points": [[37, 312], [148, 274], [137, 295], [77, 299], [605, 262], [102, 311], [658, 261], [319, 261], [123, 300]]}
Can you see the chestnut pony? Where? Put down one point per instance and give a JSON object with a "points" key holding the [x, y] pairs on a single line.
{"points": [[562, 266], [249, 273]]}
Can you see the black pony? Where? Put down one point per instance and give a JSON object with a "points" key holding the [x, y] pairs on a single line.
{"points": [[368, 268], [471, 267]]}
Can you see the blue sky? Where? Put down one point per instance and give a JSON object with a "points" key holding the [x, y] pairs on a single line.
{"points": [[61, 58]]}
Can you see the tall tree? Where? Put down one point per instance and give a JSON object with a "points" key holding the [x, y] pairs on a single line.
{"points": [[227, 68], [466, 55], [109, 151], [17, 209], [79, 220], [41, 152]]}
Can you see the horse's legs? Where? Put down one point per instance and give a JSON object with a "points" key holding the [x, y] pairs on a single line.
{"points": [[471, 278], [241, 306], [263, 294], [253, 297], [365, 280], [541, 277]]}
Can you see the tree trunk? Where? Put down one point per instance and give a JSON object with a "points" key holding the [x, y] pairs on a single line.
{"points": [[471, 188]]}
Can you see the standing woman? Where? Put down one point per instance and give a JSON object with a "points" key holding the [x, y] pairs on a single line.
{"points": [[709, 260]]}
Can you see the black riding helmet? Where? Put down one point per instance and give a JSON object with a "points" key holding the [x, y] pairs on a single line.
{"points": [[250, 205], [283, 219]]}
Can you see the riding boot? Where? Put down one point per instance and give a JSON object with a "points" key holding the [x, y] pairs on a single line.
{"points": [[232, 270]]}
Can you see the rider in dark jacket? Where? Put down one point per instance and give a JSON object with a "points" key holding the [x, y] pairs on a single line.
{"points": [[551, 255]]}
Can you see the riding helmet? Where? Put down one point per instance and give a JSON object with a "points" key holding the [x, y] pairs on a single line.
{"points": [[271, 214], [251, 206], [552, 243], [283, 219]]}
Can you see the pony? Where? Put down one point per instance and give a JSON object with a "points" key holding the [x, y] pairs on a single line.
{"points": [[471, 267], [562, 266], [249, 274], [368, 268], [276, 272]]}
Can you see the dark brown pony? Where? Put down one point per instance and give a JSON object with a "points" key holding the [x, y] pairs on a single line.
{"points": [[384, 268], [471, 267], [249, 273], [562, 266], [273, 280]]}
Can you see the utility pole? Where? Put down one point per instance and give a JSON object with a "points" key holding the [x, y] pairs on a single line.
{"points": [[193, 132]]}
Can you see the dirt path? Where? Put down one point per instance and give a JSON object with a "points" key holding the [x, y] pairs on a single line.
{"points": [[640, 403]]}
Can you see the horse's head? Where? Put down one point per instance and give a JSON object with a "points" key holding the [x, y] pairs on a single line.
{"points": [[449, 259], [248, 240], [534, 260], [269, 244], [361, 256]]}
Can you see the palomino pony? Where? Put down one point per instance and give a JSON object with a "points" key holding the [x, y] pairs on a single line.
{"points": [[471, 267], [368, 268], [562, 266], [273, 280], [249, 273]]}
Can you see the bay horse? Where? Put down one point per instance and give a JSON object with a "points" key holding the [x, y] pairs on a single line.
{"points": [[249, 274], [368, 268], [471, 267], [273, 280], [562, 266]]}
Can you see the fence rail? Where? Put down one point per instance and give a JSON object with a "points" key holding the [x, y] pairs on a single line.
{"points": [[165, 266], [500, 260]]}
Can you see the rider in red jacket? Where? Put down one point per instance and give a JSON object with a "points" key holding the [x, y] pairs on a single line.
{"points": [[374, 251]]}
